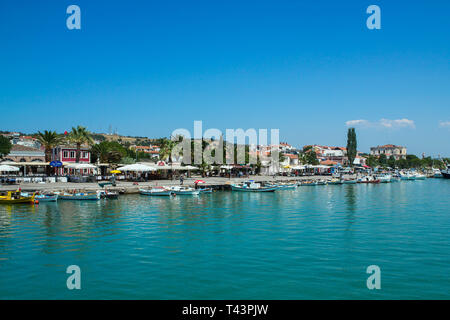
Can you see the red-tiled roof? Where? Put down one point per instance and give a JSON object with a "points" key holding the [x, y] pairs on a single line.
{"points": [[18, 147], [328, 163]]}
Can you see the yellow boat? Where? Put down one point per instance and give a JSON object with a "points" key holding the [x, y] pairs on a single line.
{"points": [[15, 197]]}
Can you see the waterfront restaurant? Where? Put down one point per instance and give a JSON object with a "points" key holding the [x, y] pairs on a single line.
{"points": [[67, 154], [31, 160]]}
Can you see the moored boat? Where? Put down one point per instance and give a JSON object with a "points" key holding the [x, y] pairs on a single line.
{"points": [[79, 196], [420, 176], [407, 176], [350, 181], [106, 194], [335, 181], [308, 183], [446, 173], [251, 186], [156, 191], [13, 197], [181, 191], [385, 178], [205, 190], [47, 197], [287, 186]]}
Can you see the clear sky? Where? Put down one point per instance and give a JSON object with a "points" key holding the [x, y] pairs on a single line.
{"points": [[304, 67]]}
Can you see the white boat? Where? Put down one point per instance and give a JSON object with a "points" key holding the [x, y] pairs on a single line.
{"points": [[251, 186], [349, 181], [287, 186], [181, 191], [156, 191], [437, 173], [420, 176], [384, 178], [407, 176]]}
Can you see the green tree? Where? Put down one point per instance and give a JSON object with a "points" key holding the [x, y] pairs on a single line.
{"points": [[372, 161], [351, 146], [382, 160], [308, 156], [5, 146], [49, 140], [391, 162], [79, 136]]}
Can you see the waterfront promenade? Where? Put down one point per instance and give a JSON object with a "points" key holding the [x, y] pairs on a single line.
{"points": [[129, 187]]}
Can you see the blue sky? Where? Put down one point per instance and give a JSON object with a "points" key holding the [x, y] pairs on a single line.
{"points": [[304, 67]]}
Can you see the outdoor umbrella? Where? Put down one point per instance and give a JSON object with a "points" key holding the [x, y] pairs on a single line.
{"points": [[116, 171], [81, 166], [136, 168], [7, 168], [199, 181]]}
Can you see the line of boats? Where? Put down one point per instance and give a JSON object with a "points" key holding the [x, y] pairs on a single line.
{"points": [[174, 191], [11, 197]]}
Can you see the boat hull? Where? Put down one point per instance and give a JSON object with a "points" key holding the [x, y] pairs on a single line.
{"points": [[186, 193], [14, 201], [154, 193], [445, 175], [92, 197], [262, 189], [287, 187], [47, 198]]}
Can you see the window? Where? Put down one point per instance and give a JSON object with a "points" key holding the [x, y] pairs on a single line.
{"points": [[65, 154], [72, 154], [85, 155]]}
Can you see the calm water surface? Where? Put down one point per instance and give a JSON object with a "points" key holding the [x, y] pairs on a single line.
{"points": [[311, 243]]}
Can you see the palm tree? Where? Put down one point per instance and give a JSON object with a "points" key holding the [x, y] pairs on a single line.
{"points": [[79, 136], [49, 140], [101, 151], [166, 149]]}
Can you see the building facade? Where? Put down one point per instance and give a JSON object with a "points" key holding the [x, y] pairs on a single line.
{"points": [[389, 150], [20, 153], [68, 154]]}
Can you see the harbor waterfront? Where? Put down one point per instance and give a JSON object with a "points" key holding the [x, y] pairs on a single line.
{"points": [[312, 242]]}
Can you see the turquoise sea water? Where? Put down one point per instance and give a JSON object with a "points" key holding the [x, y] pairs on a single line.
{"points": [[311, 243]]}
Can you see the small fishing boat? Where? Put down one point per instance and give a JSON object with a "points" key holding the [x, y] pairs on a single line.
{"points": [[184, 191], [287, 186], [47, 197], [106, 194], [205, 190], [436, 173], [79, 196], [349, 181], [156, 191], [251, 186], [385, 178], [13, 197], [407, 176], [419, 176], [321, 182], [335, 181], [308, 183]]}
